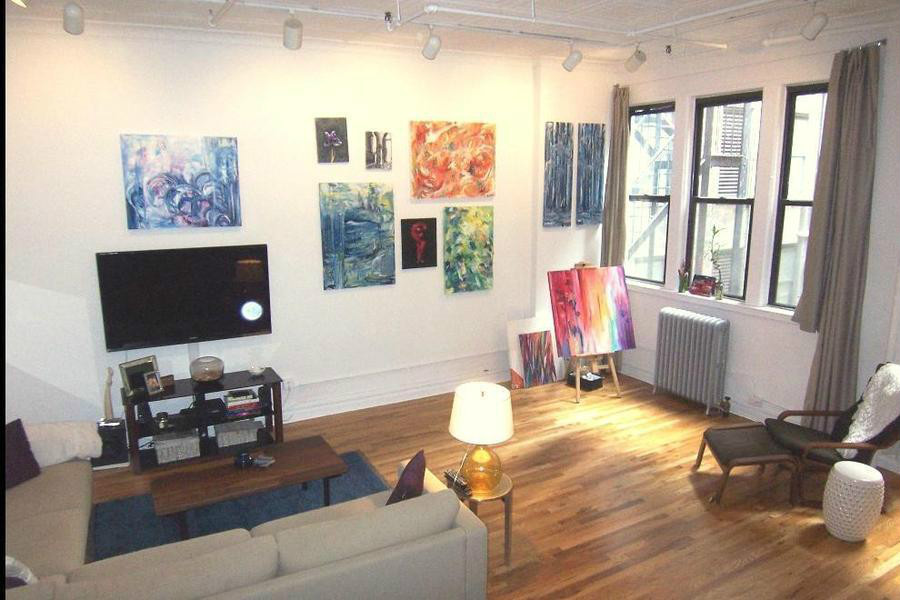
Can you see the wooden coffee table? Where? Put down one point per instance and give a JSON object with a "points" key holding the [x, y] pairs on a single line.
{"points": [[205, 483]]}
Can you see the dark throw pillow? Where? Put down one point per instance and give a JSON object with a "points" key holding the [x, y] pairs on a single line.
{"points": [[14, 582], [411, 481], [20, 463]]}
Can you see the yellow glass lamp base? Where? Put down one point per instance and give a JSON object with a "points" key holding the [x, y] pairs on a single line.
{"points": [[481, 469]]}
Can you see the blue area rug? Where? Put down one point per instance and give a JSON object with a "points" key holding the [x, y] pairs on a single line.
{"points": [[127, 525]]}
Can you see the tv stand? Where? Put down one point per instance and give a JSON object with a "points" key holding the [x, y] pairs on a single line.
{"points": [[137, 410]]}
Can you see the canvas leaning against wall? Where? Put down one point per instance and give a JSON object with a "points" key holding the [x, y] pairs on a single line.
{"points": [[357, 234], [452, 160], [591, 311], [175, 181], [558, 174], [589, 181], [468, 249], [531, 358]]}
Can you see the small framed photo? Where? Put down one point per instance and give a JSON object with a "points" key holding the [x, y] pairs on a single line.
{"points": [[703, 285], [133, 374], [152, 383]]}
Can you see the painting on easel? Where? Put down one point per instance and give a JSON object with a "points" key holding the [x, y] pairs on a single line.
{"points": [[591, 311]]}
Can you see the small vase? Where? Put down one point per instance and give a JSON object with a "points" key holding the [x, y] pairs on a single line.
{"points": [[683, 284], [720, 291]]}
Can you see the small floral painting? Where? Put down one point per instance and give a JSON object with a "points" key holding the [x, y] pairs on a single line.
{"points": [[331, 140], [468, 249], [452, 160]]}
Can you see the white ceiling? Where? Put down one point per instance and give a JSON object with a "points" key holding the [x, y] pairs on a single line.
{"points": [[602, 29]]}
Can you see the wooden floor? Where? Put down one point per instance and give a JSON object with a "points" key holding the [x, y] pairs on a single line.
{"points": [[607, 506]]}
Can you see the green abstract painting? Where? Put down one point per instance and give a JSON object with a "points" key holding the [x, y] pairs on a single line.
{"points": [[468, 248]]}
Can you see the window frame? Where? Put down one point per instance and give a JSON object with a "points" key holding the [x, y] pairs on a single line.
{"points": [[695, 200], [793, 91], [651, 109]]}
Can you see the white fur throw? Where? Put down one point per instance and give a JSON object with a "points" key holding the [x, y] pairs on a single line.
{"points": [[53, 443], [880, 405]]}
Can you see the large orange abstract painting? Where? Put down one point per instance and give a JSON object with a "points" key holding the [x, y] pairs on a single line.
{"points": [[452, 160]]}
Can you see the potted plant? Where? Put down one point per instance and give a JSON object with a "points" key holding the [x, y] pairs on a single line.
{"points": [[714, 253]]}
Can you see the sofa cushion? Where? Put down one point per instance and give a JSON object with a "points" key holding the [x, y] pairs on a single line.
{"points": [[49, 543], [235, 566], [795, 437], [54, 443], [20, 462], [59, 487], [410, 483], [321, 543], [326, 513], [160, 555]]}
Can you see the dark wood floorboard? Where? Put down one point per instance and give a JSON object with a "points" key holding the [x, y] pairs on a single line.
{"points": [[607, 506]]}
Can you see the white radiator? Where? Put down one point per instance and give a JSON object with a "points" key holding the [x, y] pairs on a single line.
{"points": [[690, 355]]}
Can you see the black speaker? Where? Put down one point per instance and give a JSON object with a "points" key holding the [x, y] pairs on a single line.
{"points": [[115, 444]]}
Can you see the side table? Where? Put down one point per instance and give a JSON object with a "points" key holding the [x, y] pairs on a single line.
{"points": [[852, 502], [503, 491]]}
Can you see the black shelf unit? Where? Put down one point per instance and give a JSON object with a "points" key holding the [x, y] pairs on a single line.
{"points": [[198, 418]]}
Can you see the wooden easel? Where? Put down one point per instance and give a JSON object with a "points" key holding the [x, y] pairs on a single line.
{"points": [[576, 365]]}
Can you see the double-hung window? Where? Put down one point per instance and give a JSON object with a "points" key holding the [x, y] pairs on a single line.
{"points": [[723, 186], [649, 180], [803, 124]]}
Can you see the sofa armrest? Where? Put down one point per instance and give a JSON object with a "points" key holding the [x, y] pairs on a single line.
{"points": [[809, 413]]}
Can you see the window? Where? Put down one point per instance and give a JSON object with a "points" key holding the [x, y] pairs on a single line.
{"points": [[723, 184], [803, 125], [649, 186]]}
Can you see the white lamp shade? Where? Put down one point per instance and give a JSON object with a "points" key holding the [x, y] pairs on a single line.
{"points": [[73, 18], [293, 34], [482, 414]]}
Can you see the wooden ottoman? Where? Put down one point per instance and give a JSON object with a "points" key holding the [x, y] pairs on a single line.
{"points": [[744, 445]]}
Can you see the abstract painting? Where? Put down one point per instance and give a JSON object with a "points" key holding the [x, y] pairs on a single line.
{"points": [[180, 181], [589, 181], [378, 150], [558, 174], [331, 140], [537, 358], [357, 234], [591, 311], [452, 160], [418, 242], [468, 248]]}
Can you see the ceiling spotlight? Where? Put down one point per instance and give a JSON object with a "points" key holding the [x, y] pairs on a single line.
{"points": [[73, 18], [432, 45], [572, 59], [815, 25], [20, 3], [635, 61], [293, 33]]}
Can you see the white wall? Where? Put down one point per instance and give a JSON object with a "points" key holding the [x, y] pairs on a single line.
{"points": [[68, 99], [769, 357]]}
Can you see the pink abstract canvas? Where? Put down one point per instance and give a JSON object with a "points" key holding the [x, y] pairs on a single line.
{"points": [[591, 311]]}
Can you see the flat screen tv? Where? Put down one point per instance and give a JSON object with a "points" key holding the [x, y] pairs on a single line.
{"points": [[179, 296]]}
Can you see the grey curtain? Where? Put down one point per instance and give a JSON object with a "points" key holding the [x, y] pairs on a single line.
{"points": [[612, 244], [834, 276]]}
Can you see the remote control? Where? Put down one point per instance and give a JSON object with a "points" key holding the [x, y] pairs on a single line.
{"points": [[457, 483]]}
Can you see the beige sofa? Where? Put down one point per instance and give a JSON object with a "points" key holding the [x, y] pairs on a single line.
{"points": [[427, 547]]}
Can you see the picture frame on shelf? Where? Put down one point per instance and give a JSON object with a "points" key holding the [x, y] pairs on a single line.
{"points": [[703, 285], [152, 383], [133, 373]]}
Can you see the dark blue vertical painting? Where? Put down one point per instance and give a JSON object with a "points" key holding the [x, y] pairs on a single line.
{"points": [[357, 234], [589, 181], [180, 181], [558, 174]]}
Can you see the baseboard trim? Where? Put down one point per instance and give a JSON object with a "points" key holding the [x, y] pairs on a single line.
{"points": [[392, 387]]}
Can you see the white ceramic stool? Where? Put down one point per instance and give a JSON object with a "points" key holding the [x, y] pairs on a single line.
{"points": [[852, 502]]}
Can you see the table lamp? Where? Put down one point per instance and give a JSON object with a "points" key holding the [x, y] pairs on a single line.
{"points": [[481, 416]]}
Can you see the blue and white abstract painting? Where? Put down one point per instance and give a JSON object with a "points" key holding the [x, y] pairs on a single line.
{"points": [[180, 181], [589, 181], [558, 174], [357, 234]]}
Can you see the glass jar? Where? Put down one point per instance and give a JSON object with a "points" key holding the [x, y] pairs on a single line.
{"points": [[207, 368]]}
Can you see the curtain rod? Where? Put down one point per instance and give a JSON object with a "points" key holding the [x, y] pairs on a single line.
{"points": [[881, 42]]}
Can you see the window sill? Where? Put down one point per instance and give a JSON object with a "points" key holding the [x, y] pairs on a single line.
{"points": [[771, 313]]}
